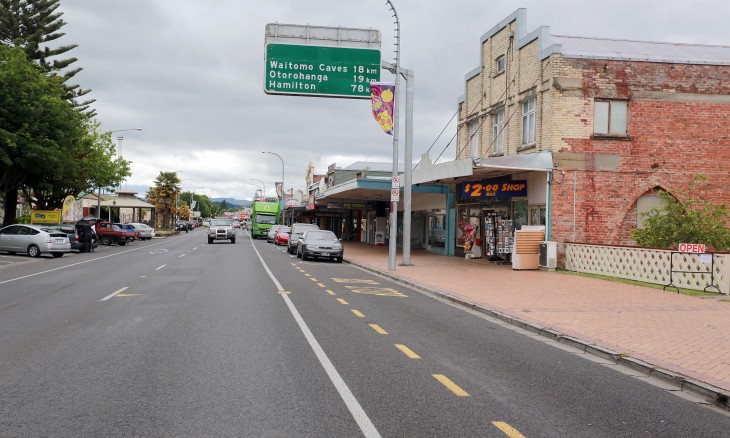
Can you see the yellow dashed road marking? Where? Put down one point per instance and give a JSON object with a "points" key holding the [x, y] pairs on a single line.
{"points": [[330, 292], [507, 429], [357, 313], [342, 301], [321, 285], [354, 280], [284, 292], [378, 329], [407, 351], [307, 275], [453, 387], [379, 291], [313, 279]]}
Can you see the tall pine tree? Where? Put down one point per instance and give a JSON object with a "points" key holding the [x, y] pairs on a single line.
{"points": [[33, 24]]}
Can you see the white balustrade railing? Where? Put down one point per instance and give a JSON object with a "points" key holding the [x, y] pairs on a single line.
{"points": [[690, 271]]}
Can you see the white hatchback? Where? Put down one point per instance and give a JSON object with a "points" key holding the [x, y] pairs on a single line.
{"points": [[33, 240]]}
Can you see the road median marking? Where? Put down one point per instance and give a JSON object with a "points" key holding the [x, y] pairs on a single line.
{"points": [[407, 351], [158, 268], [331, 292], [342, 301], [378, 291], [321, 285], [114, 293], [358, 313], [354, 280], [378, 329], [367, 427], [451, 386], [507, 429]]}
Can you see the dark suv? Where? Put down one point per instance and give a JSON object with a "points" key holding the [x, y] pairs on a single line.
{"points": [[296, 233]]}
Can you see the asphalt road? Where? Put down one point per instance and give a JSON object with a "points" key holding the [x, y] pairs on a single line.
{"points": [[177, 337]]}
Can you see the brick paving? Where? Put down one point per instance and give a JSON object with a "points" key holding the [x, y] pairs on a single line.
{"points": [[682, 334]]}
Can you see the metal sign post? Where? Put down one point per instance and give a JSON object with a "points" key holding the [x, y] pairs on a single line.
{"points": [[392, 246]]}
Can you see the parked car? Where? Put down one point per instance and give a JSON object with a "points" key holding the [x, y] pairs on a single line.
{"points": [[320, 243], [221, 229], [33, 241], [110, 234], [281, 237], [296, 233], [144, 231], [272, 231], [129, 228], [74, 234], [182, 226]]}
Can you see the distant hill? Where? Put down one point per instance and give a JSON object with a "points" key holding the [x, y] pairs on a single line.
{"points": [[232, 202]]}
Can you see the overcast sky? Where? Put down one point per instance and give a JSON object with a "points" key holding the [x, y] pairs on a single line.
{"points": [[191, 74]]}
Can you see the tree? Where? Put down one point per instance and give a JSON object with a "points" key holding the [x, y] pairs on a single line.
{"points": [[163, 195], [31, 24], [87, 163], [203, 204], [37, 126], [692, 220], [223, 206]]}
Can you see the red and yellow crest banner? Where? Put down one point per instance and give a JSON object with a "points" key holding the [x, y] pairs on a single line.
{"points": [[382, 96]]}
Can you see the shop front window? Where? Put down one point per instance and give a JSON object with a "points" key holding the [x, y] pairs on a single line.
{"points": [[537, 215], [519, 213], [465, 222]]}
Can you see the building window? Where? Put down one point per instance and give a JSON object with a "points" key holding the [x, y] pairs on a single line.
{"points": [[645, 204], [473, 127], [528, 121], [610, 117], [537, 215], [498, 132], [500, 64]]}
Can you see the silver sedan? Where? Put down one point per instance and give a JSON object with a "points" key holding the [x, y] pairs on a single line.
{"points": [[33, 240]]}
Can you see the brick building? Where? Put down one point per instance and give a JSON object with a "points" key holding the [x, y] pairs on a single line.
{"points": [[620, 119]]}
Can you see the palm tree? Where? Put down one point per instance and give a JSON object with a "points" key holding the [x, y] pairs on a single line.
{"points": [[163, 194]]}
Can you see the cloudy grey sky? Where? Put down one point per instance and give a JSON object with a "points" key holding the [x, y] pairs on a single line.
{"points": [[191, 74]]}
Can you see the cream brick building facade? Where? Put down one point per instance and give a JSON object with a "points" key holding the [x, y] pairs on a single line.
{"points": [[620, 119]]}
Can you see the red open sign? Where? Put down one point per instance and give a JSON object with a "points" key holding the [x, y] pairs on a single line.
{"points": [[692, 247]]}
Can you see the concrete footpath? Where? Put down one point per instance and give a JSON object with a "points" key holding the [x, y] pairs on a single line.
{"points": [[682, 340]]}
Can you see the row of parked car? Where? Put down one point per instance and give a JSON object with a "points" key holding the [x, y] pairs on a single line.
{"points": [[307, 240], [60, 239]]}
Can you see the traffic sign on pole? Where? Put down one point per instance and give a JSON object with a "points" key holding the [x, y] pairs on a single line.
{"points": [[321, 71], [394, 194]]}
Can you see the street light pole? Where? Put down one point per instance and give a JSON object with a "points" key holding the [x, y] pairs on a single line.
{"points": [[281, 208], [120, 138], [263, 192], [392, 244]]}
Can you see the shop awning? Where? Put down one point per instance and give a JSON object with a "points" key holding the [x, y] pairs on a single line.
{"points": [[486, 167]]}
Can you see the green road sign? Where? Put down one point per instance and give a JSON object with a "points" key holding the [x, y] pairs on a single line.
{"points": [[321, 71]]}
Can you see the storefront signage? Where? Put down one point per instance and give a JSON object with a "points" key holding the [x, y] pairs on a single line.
{"points": [[493, 188], [692, 247], [355, 205], [45, 217], [320, 70]]}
